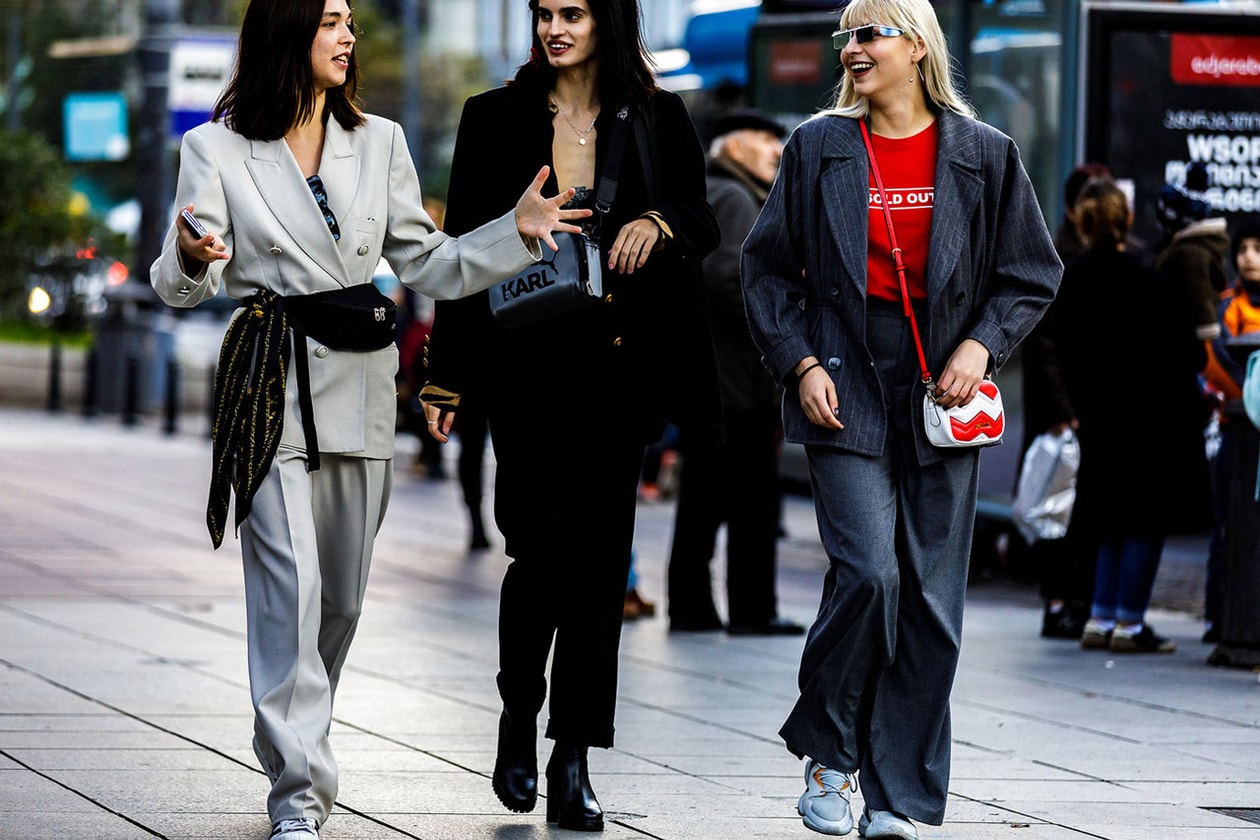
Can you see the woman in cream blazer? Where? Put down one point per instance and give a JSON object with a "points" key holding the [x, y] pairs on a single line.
{"points": [[285, 134]]}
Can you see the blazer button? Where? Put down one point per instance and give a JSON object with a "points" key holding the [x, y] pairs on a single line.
{"points": [[833, 363], [960, 300], [834, 291], [275, 250], [608, 298], [321, 351], [617, 341], [363, 249]]}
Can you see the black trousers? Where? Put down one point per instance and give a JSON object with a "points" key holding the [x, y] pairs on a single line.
{"points": [[565, 503], [735, 483]]}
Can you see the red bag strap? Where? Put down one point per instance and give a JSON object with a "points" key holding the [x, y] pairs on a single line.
{"points": [[896, 255]]}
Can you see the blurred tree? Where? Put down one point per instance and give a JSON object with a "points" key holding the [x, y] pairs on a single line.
{"points": [[40, 225], [446, 80]]}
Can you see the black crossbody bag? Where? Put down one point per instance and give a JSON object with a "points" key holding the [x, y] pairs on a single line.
{"points": [[573, 276]]}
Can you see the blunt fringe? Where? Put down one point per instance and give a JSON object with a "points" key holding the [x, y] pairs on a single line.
{"points": [[273, 85], [625, 70], [918, 20]]}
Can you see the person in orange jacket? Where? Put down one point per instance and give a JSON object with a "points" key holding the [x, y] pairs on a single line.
{"points": [[1239, 313]]}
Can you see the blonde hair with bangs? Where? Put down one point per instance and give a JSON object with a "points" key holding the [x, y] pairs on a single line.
{"points": [[918, 20]]}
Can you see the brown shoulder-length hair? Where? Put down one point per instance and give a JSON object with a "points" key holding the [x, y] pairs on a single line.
{"points": [[625, 71], [1102, 214], [273, 85]]}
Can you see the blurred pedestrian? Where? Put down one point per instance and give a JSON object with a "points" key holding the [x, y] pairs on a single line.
{"points": [[1239, 309], [736, 480], [1065, 565], [572, 401], [1192, 253], [302, 194], [829, 310], [1142, 475]]}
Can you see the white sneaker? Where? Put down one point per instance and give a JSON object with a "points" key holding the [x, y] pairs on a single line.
{"points": [[886, 824], [303, 829], [824, 806]]}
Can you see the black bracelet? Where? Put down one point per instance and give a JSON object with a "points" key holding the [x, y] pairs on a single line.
{"points": [[801, 375]]}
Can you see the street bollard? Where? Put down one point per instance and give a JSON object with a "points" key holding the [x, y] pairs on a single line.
{"points": [[131, 391], [89, 383], [172, 397], [54, 376]]}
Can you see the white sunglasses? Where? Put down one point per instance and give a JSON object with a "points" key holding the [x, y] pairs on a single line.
{"points": [[864, 34]]}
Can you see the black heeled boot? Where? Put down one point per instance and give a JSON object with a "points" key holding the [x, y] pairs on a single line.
{"points": [[570, 800], [515, 779], [478, 540]]}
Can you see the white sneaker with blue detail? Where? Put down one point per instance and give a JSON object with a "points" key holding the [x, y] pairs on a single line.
{"points": [[824, 806]]}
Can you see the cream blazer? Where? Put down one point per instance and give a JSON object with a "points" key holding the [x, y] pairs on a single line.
{"points": [[253, 194]]}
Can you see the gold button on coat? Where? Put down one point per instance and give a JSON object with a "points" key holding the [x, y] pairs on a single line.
{"points": [[617, 341]]}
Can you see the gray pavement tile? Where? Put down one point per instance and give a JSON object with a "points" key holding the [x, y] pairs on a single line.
{"points": [[176, 791], [24, 792], [69, 722], [53, 761], [98, 825], [491, 826]]}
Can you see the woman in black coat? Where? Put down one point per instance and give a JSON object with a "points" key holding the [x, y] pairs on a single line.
{"points": [[1130, 364], [573, 400]]}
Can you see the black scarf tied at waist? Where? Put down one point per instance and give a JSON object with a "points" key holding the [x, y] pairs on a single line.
{"points": [[248, 410], [249, 385]]}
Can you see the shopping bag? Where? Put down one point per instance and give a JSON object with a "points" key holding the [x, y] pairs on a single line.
{"points": [[1042, 509]]}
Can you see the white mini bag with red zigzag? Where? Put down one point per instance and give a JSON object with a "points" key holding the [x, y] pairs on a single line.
{"points": [[977, 423]]}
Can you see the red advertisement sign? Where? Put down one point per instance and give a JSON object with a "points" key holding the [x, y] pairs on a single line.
{"points": [[1215, 60], [796, 63]]}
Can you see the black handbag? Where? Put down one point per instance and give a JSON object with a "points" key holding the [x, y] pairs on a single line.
{"points": [[571, 279], [573, 276], [357, 317]]}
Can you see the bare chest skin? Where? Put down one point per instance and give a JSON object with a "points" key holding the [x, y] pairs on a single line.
{"points": [[307, 151], [574, 163]]}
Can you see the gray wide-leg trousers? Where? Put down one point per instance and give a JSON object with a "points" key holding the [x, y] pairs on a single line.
{"points": [[879, 660], [306, 546]]}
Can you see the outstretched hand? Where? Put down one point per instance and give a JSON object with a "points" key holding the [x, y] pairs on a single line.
{"points": [[538, 217]]}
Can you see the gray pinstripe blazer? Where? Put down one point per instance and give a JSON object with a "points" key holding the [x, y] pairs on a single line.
{"points": [[991, 271]]}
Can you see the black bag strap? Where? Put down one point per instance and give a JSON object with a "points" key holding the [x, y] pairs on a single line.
{"points": [[607, 190]]}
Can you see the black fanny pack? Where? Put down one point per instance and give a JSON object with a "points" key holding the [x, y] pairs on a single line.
{"points": [[356, 317]]}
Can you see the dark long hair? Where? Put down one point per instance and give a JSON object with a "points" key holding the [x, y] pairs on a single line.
{"points": [[625, 73], [273, 85]]}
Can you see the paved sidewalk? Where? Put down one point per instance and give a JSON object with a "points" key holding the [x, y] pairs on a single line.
{"points": [[124, 711]]}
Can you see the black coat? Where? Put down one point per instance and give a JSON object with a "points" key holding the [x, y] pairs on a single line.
{"points": [[645, 349], [1130, 362], [746, 384]]}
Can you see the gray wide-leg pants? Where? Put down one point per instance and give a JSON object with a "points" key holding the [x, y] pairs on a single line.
{"points": [[306, 547], [879, 660]]}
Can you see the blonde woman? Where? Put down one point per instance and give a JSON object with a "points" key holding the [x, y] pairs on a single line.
{"points": [[826, 308]]}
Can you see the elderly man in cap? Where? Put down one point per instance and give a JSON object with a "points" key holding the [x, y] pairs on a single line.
{"points": [[735, 482]]}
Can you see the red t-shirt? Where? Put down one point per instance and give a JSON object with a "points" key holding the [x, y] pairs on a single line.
{"points": [[908, 168]]}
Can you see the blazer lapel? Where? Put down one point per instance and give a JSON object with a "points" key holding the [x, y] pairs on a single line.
{"points": [[339, 170], [280, 183], [958, 190], [844, 172]]}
